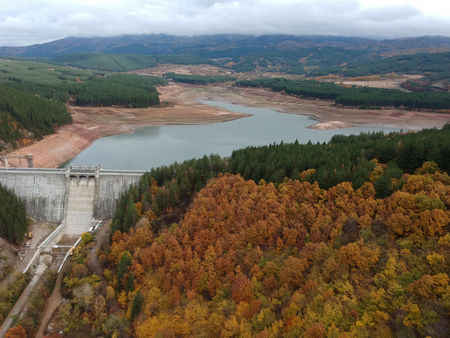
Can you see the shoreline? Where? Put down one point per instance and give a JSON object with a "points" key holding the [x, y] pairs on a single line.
{"points": [[92, 123], [183, 108]]}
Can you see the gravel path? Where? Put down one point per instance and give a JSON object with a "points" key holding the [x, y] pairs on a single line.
{"points": [[53, 303]]}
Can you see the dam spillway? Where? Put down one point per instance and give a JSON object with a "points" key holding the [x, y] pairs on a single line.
{"points": [[80, 205], [71, 194]]}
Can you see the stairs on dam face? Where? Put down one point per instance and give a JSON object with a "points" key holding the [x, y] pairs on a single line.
{"points": [[80, 205]]}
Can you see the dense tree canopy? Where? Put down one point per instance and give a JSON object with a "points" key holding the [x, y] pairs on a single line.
{"points": [[286, 256], [344, 158], [124, 62], [294, 260], [33, 94], [363, 97], [13, 222], [84, 87], [125, 90], [197, 79], [22, 111], [409, 63]]}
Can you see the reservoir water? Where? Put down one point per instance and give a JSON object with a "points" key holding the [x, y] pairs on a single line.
{"points": [[155, 146]]}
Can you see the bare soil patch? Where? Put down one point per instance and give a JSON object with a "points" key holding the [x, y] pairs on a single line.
{"points": [[14, 258], [182, 106], [204, 70], [389, 82], [330, 125], [210, 70], [53, 303], [92, 123], [322, 110]]}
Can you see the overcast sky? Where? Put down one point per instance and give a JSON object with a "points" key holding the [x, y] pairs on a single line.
{"points": [[24, 22]]}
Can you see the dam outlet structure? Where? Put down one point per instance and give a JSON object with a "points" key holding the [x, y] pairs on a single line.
{"points": [[71, 196]]}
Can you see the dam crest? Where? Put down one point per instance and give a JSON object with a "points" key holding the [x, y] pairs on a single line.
{"points": [[73, 196]]}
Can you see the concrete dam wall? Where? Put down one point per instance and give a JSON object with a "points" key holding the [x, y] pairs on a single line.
{"points": [[42, 191], [110, 186], [52, 194]]}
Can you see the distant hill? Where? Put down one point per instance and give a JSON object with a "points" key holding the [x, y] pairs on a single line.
{"points": [[285, 53], [209, 46], [408, 64], [123, 62], [435, 67], [218, 45], [242, 53]]}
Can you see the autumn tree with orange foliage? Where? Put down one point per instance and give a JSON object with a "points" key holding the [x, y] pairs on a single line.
{"points": [[295, 260], [16, 332]]}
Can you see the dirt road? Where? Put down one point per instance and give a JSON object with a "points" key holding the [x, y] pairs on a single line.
{"points": [[40, 231], [100, 236], [53, 303], [56, 299], [24, 298]]}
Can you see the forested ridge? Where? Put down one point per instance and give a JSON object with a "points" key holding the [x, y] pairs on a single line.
{"points": [[197, 79], [24, 116], [344, 158], [434, 69], [33, 96], [363, 97], [86, 87], [120, 89], [13, 222], [124, 62], [242, 53], [418, 63], [282, 256]]}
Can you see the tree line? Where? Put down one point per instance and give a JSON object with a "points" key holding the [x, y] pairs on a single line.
{"points": [[197, 79], [22, 111], [118, 89], [290, 259], [80, 86], [33, 96], [363, 97], [13, 221], [411, 64], [197, 249], [344, 158]]}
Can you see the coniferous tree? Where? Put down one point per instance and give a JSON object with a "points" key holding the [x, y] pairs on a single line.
{"points": [[13, 222]]}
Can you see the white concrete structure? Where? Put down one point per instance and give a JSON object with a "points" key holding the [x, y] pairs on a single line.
{"points": [[80, 205], [46, 192]]}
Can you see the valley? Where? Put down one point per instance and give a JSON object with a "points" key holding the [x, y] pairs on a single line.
{"points": [[181, 106], [225, 186]]}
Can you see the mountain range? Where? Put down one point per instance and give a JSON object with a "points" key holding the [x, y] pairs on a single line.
{"points": [[228, 45]]}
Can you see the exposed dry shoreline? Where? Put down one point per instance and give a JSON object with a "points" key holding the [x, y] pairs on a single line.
{"points": [[92, 123], [183, 107], [323, 111]]}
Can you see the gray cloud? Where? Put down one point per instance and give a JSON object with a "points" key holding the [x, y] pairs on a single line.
{"points": [[390, 14], [25, 22]]}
